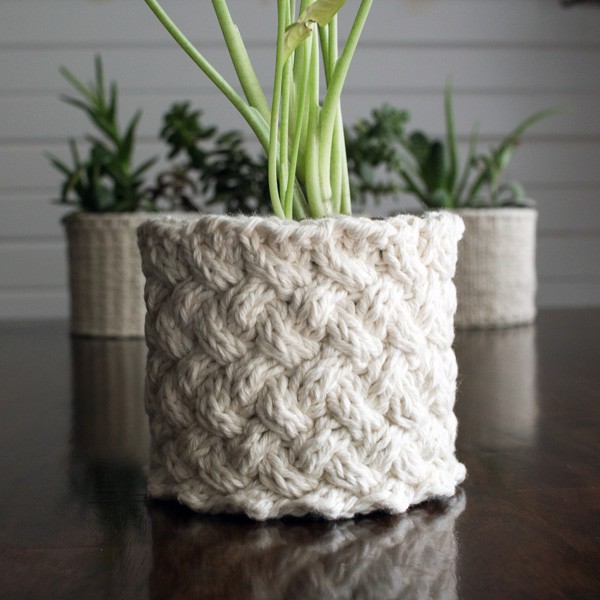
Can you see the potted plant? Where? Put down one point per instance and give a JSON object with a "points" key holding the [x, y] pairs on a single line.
{"points": [[107, 190], [299, 365], [495, 276]]}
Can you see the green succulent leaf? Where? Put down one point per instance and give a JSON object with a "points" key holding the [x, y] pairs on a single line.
{"points": [[434, 169]]}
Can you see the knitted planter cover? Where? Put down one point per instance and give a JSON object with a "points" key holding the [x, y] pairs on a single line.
{"points": [[303, 367], [105, 276], [495, 275]]}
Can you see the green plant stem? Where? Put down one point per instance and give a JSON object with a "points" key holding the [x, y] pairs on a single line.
{"points": [[313, 189], [282, 19], [241, 60], [331, 56], [334, 92], [284, 166], [300, 118], [252, 115]]}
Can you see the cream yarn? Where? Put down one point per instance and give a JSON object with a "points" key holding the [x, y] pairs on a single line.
{"points": [[303, 367], [495, 275]]}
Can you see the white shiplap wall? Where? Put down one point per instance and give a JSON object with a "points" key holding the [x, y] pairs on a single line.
{"points": [[508, 58]]}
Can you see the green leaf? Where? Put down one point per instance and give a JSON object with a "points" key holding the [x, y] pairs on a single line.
{"points": [[126, 146], [439, 199], [144, 167], [451, 142], [458, 199], [320, 13], [515, 135], [80, 87], [420, 147], [434, 169]]}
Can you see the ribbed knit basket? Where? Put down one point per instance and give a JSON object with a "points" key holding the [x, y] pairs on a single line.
{"points": [[105, 276], [301, 367], [495, 275]]}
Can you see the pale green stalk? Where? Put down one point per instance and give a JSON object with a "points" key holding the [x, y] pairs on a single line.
{"points": [[282, 20], [338, 164], [338, 153], [241, 60], [304, 142], [330, 56], [284, 165], [252, 116], [313, 190], [301, 102], [334, 92], [346, 202]]}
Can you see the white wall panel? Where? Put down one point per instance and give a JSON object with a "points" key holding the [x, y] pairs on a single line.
{"points": [[481, 22], [508, 59], [44, 118]]}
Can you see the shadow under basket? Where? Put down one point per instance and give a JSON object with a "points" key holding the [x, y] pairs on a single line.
{"points": [[105, 275], [301, 367]]}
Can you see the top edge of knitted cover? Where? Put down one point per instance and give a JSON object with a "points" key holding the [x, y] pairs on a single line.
{"points": [[450, 223], [117, 217], [501, 211]]}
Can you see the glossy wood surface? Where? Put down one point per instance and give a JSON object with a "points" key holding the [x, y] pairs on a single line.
{"points": [[75, 522]]}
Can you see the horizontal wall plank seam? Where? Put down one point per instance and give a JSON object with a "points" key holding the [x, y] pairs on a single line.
{"points": [[207, 89], [550, 139], [571, 46]]}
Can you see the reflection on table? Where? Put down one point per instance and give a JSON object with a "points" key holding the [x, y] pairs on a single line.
{"points": [[498, 376], [380, 556]]}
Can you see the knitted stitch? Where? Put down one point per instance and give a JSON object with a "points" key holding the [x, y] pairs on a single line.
{"points": [[106, 281], [301, 367], [495, 275]]}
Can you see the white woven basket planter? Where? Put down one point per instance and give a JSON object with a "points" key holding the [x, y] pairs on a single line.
{"points": [[495, 275], [299, 368], [105, 275]]}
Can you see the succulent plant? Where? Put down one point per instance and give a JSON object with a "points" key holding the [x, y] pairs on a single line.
{"points": [[212, 169], [107, 180], [432, 173], [374, 147]]}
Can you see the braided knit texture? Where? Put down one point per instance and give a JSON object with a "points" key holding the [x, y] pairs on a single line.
{"points": [[495, 276], [301, 367], [105, 276]]}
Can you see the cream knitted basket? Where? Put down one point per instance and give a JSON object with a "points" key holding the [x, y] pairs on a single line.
{"points": [[303, 367], [105, 276], [495, 275]]}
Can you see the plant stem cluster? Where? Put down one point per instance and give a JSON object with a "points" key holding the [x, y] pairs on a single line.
{"points": [[303, 138]]}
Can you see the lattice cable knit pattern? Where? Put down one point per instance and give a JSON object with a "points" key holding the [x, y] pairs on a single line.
{"points": [[301, 367]]}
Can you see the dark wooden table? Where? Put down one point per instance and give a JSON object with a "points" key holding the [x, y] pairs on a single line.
{"points": [[75, 522]]}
